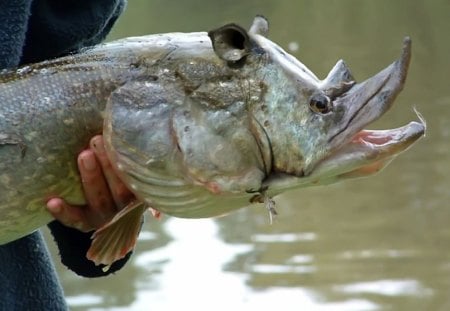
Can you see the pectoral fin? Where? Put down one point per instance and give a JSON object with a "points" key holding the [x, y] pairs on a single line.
{"points": [[115, 239]]}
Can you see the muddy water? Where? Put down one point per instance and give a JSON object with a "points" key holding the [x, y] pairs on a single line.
{"points": [[381, 243]]}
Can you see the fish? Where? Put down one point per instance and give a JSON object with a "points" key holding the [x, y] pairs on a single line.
{"points": [[195, 124]]}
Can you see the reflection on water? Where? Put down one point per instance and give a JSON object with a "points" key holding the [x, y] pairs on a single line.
{"points": [[191, 274], [380, 243]]}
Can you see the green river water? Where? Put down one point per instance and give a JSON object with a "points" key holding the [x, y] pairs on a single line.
{"points": [[381, 243]]}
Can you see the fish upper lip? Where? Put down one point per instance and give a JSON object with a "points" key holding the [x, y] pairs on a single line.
{"points": [[369, 100], [355, 115]]}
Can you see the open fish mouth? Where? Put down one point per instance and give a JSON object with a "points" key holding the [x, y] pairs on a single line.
{"points": [[354, 151], [369, 151], [357, 151]]}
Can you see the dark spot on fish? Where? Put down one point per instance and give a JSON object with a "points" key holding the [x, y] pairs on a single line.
{"points": [[257, 198], [280, 51], [266, 123], [264, 108], [384, 95], [263, 88], [186, 113], [178, 146], [12, 139], [186, 128], [149, 78]]}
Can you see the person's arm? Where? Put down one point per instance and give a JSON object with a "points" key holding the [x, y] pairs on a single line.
{"points": [[59, 27]]}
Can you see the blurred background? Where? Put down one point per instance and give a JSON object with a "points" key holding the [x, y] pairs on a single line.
{"points": [[381, 243]]}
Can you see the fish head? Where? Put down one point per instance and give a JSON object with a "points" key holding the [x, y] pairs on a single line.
{"points": [[313, 131]]}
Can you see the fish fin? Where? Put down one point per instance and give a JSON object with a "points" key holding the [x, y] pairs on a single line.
{"points": [[115, 239]]}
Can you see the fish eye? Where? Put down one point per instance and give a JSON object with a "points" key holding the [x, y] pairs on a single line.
{"points": [[320, 103]]}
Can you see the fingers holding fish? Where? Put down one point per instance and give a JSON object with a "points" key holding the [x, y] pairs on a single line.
{"points": [[70, 215], [104, 192], [120, 193], [100, 203], [100, 206]]}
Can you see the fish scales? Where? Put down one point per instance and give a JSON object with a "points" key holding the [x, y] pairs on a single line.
{"points": [[50, 110], [47, 118]]}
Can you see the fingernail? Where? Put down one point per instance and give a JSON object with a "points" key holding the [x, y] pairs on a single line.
{"points": [[54, 206], [89, 162], [97, 144]]}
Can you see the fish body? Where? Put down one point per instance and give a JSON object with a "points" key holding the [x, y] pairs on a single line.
{"points": [[195, 124], [50, 111]]}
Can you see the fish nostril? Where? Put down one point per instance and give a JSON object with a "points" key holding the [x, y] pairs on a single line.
{"points": [[320, 103]]}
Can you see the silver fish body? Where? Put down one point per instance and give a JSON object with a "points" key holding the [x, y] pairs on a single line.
{"points": [[196, 124]]}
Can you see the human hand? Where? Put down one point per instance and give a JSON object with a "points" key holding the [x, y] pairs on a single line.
{"points": [[105, 193]]}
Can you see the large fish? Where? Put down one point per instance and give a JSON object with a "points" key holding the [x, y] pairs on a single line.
{"points": [[195, 124]]}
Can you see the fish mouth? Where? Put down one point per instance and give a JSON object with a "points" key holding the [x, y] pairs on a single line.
{"points": [[368, 152], [354, 151]]}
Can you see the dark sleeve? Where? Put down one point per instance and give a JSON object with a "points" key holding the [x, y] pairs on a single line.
{"points": [[32, 31], [58, 27], [13, 28], [28, 279], [73, 246]]}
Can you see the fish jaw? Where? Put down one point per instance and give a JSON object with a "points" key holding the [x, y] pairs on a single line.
{"points": [[352, 147], [350, 150], [369, 151], [367, 101]]}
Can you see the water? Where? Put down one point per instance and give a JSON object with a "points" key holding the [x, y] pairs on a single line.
{"points": [[381, 243]]}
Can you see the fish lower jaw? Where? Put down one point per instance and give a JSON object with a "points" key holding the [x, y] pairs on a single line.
{"points": [[369, 151]]}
